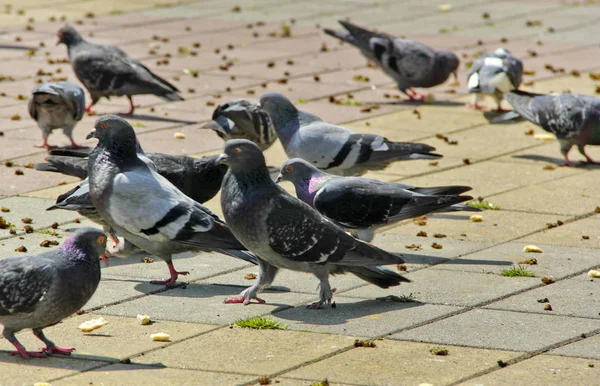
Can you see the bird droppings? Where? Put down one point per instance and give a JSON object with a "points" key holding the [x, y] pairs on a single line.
{"points": [[401, 267], [549, 167], [501, 363], [544, 300], [91, 325], [160, 337], [437, 246], [144, 320], [466, 161], [48, 243], [147, 260], [529, 262], [547, 280], [28, 229], [365, 343], [550, 225], [21, 249], [15, 117], [434, 163], [441, 351], [532, 249], [264, 381], [19, 172], [26, 220], [414, 247], [547, 307], [439, 235], [422, 234], [250, 276], [585, 237], [4, 209]]}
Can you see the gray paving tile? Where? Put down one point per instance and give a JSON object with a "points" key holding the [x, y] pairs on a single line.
{"points": [[585, 348]]}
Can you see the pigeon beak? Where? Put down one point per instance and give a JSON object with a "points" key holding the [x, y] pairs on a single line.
{"points": [[279, 178], [92, 134], [222, 159], [104, 260]]}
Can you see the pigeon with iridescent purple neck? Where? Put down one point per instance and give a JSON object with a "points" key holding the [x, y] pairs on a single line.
{"points": [[38, 291], [362, 205]]}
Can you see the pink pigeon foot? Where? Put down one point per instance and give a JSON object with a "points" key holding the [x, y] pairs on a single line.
{"points": [[414, 95], [58, 350], [242, 299], [475, 106], [28, 354], [322, 305], [173, 279]]}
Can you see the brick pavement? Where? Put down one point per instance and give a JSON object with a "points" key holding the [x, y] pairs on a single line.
{"points": [[461, 301]]}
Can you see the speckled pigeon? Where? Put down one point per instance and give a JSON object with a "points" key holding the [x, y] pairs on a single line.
{"points": [[242, 119], [409, 63], [362, 205], [573, 118], [286, 233], [108, 71], [38, 291], [144, 207], [335, 148], [57, 105], [494, 73]]}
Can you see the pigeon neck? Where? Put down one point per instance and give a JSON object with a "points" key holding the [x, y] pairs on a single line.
{"points": [[308, 188], [286, 123], [76, 253], [121, 153]]}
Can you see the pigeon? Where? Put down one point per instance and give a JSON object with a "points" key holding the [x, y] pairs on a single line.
{"points": [[362, 205], [286, 233], [57, 105], [144, 207], [108, 71], [335, 148], [573, 118], [494, 73], [409, 63], [38, 291], [243, 119]]}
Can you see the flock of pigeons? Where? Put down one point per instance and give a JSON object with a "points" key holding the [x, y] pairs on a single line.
{"points": [[154, 201]]}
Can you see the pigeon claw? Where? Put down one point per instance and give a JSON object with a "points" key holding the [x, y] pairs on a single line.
{"points": [[321, 305], [242, 300], [30, 354], [58, 350]]}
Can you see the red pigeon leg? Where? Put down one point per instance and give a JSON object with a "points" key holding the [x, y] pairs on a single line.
{"points": [[170, 282]]}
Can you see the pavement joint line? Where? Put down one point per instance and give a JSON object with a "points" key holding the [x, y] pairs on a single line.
{"points": [[526, 356], [312, 381]]}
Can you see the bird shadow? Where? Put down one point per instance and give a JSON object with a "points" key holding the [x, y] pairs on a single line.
{"points": [[343, 312], [557, 161], [409, 102], [153, 118], [434, 260], [69, 362]]}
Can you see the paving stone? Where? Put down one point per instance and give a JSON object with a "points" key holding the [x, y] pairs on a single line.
{"points": [[120, 338], [459, 288], [555, 261], [497, 226], [259, 351], [501, 330], [543, 370], [585, 348], [561, 295], [414, 364], [370, 318], [569, 235], [203, 303], [122, 374], [19, 371], [112, 290]]}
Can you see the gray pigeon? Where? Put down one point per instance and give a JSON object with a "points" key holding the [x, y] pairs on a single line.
{"points": [[409, 63], [144, 207], [241, 119], [286, 233], [57, 105], [335, 148], [573, 118], [362, 205], [38, 291], [108, 71], [494, 73]]}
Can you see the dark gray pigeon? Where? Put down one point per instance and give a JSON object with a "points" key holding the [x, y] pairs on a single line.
{"points": [[144, 207], [286, 233], [335, 148], [38, 291], [494, 73], [362, 205], [57, 105], [241, 119], [573, 118], [409, 63], [108, 71]]}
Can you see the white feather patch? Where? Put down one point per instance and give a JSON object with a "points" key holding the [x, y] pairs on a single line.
{"points": [[473, 81], [502, 82], [493, 62]]}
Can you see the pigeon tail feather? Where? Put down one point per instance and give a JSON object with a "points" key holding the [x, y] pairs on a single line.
{"points": [[380, 276]]}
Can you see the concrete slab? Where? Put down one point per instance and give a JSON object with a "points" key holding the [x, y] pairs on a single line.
{"points": [[543, 370], [259, 351], [414, 364], [501, 330], [579, 234], [25, 371], [585, 348]]}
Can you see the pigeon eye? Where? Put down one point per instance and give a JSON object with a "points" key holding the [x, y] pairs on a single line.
{"points": [[289, 168], [265, 100], [101, 239], [237, 150], [103, 126]]}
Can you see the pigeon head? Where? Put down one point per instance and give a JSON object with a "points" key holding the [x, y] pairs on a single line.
{"points": [[68, 35], [297, 170], [115, 134], [447, 62], [241, 154], [282, 111], [86, 244]]}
